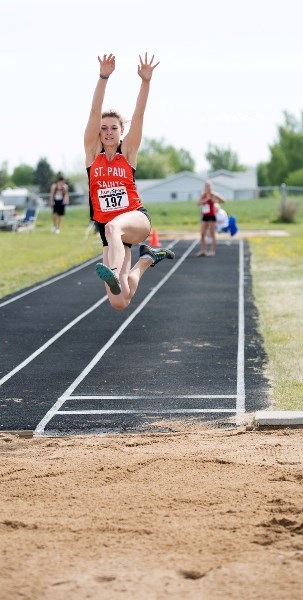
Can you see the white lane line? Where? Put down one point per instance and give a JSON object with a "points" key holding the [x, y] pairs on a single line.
{"points": [[49, 415], [144, 411], [53, 280], [58, 277], [188, 396], [52, 340], [241, 337], [57, 336]]}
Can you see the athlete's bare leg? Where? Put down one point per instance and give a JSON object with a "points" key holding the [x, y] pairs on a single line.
{"points": [[132, 228], [212, 233], [56, 221], [202, 251], [128, 278], [203, 236]]}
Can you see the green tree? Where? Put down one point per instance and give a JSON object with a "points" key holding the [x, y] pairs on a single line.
{"points": [[287, 151], [23, 175], [262, 174], [277, 167], [43, 175], [223, 158], [179, 160], [295, 178], [5, 180], [157, 160], [150, 167]]}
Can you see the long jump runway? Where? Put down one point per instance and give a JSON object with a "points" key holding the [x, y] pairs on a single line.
{"points": [[187, 348]]}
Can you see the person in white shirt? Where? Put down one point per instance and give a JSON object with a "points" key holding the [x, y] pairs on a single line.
{"points": [[222, 220]]}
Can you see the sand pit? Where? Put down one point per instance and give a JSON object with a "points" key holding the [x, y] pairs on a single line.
{"points": [[195, 513]]}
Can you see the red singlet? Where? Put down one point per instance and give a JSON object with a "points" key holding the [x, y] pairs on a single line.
{"points": [[112, 188], [208, 208]]}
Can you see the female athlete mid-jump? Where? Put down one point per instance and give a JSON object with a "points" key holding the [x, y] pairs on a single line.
{"points": [[115, 205]]}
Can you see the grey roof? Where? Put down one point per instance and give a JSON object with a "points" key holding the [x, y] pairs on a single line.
{"points": [[152, 183]]}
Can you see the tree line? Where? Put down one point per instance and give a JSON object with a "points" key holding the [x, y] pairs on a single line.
{"points": [[286, 155], [40, 177], [157, 160]]}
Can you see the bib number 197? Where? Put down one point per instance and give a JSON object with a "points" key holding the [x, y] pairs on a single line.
{"points": [[113, 198]]}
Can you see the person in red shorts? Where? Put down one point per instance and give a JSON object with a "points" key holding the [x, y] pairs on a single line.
{"points": [[207, 201], [115, 205]]}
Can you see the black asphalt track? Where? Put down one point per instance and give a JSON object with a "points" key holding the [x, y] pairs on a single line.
{"points": [[175, 353]]}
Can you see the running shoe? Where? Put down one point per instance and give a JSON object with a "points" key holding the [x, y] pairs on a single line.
{"points": [[109, 277], [155, 255]]}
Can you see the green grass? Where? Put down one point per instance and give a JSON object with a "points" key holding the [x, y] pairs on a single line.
{"points": [[277, 268], [261, 213], [31, 256], [277, 271]]}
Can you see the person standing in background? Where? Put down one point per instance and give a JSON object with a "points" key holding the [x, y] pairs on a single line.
{"points": [[58, 199], [207, 201], [222, 221]]}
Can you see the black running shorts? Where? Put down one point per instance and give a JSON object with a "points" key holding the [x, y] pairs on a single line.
{"points": [[101, 228]]}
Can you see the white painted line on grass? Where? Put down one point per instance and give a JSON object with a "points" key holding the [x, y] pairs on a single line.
{"points": [[49, 415], [240, 358], [52, 340], [53, 280]]}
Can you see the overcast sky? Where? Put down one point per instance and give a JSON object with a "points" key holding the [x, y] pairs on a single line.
{"points": [[227, 72]]}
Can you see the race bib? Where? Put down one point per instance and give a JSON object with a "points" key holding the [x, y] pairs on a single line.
{"points": [[206, 208], [115, 198]]}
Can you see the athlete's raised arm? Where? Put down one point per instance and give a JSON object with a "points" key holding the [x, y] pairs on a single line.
{"points": [[132, 140], [92, 142]]}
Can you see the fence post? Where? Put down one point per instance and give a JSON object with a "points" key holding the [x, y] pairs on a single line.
{"points": [[283, 190]]}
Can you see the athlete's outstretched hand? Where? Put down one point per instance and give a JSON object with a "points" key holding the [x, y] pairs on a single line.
{"points": [[107, 64], [145, 69]]}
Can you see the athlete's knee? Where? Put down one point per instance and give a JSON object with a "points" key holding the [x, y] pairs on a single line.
{"points": [[119, 303], [111, 229]]}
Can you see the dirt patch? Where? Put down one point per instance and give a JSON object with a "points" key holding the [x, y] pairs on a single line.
{"points": [[195, 513]]}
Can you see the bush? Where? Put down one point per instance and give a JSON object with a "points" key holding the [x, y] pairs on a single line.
{"points": [[288, 212], [295, 178]]}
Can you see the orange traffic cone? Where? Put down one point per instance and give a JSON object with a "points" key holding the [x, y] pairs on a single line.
{"points": [[154, 241]]}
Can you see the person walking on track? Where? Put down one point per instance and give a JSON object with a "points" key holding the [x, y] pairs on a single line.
{"points": [[115, 205], [58, 200]]}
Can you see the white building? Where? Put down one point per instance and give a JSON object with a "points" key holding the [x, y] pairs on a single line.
{"points": [[188, 186], [242, 185]]}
